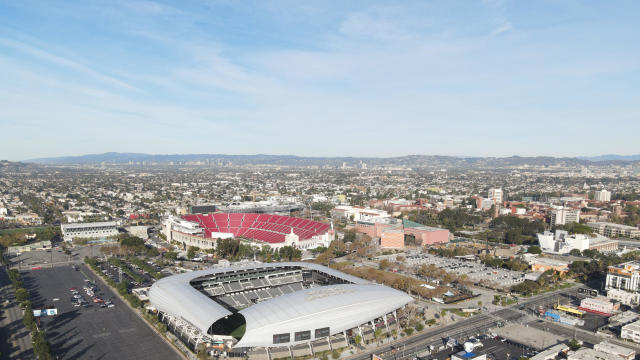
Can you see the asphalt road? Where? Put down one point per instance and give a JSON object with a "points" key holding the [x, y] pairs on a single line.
{"points": [[16, 341], [93, 332], [463, 328]]}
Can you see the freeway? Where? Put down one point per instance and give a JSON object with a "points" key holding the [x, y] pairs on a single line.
{"points": [[467, 327]]}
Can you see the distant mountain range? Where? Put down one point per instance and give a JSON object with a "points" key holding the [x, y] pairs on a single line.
{"points": [[409, 161], [612, 157]]}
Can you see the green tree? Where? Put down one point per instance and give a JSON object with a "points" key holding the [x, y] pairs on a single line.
{"points": [[575, 252], [28, 319], [534, 250], [574, 344], [377, 334], [191, 252], [357, 340], [171, 255], [41, 347], [153, 252], [22, 294]]}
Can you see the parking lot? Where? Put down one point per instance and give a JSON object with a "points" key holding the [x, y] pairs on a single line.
{"points": [[114, 273], [476, 272], [44, 258], [92, 332]]}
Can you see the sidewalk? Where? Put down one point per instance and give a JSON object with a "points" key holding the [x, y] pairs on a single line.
{"points": [[16, 339]]}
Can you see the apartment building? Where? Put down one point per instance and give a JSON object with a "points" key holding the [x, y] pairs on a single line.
{"points": [[614, 230]]}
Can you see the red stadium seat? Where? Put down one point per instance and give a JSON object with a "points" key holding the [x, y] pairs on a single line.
{"points": [[261, 227]]}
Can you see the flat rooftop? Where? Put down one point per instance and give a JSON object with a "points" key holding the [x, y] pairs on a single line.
{"points": [[88, 225]]}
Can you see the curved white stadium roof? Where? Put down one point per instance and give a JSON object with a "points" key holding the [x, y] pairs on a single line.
{"points": [[174, 295], [339, 307]]}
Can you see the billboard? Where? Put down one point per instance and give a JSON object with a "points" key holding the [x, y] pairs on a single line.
{"points": [[52, 312], [203, 209], [45, 312]]}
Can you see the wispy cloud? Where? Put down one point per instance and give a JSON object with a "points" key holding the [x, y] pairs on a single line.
{"points": [[320, 81], [499, 18], [504, 28], [59, 60], [151, 7]]}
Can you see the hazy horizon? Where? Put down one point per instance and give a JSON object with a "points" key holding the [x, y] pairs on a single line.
{"points": [[322, 156]]}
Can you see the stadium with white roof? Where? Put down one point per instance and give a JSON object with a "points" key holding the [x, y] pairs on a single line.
{"points": [[266, 306]]}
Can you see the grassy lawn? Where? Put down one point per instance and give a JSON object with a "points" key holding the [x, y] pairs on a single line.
{"points": [[239, 331]]}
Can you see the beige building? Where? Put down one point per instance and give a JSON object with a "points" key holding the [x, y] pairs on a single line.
{"points": [[616, 350], [563, 216], [631, 332], [603, 245], [614, 230]]}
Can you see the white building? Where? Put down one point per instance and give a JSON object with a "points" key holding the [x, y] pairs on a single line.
{"points": [[562, 242], [186, 232], [95, 230], [599, 305], [495, 195], [624, 297], [563, 216], [356, 213], [178, 224], [623, 282], [602, 195], [585, 353]]}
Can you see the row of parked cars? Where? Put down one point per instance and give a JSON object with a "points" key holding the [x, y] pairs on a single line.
{"points": [[90, 290]]}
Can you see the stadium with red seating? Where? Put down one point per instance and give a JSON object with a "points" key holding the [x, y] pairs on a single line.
{"points": [[266, 228]]}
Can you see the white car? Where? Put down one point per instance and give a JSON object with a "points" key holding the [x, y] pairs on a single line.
{"points": [[55, 299]]}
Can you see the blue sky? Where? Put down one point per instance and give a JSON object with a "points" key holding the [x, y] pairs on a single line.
{"points": [[319, 78]]}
